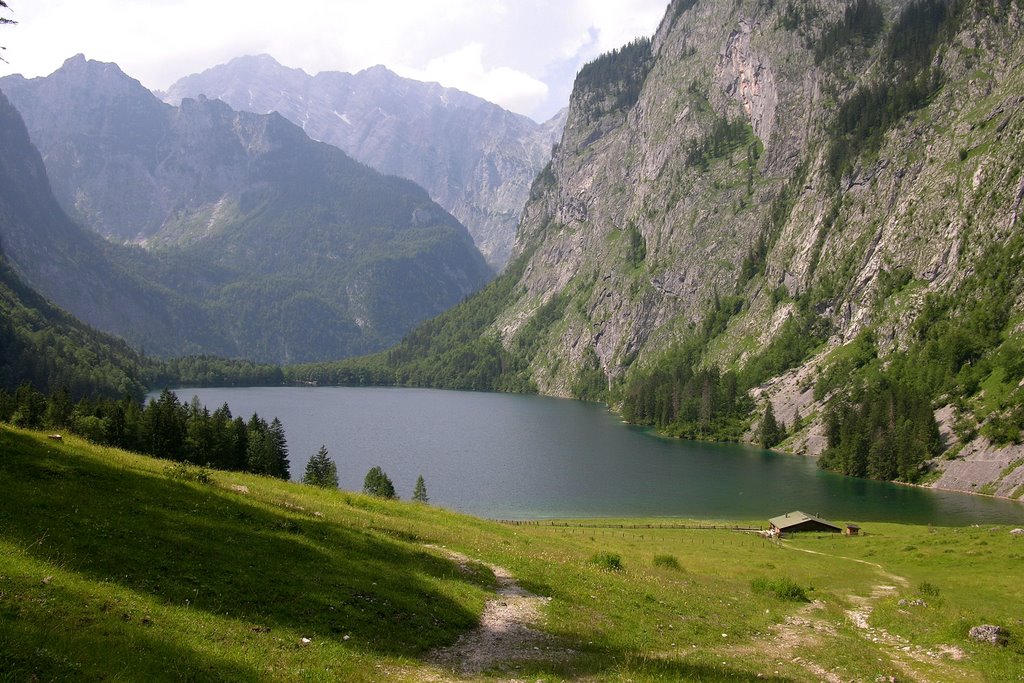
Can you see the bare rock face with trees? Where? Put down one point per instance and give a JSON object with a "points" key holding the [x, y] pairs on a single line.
{"points": [[823, 191]]}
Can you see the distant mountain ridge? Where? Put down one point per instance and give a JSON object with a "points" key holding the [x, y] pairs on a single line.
{"points": [[76, 269], [287, 248], [474, 158]]}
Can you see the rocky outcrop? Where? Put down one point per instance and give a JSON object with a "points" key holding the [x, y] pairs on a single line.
{"points": [[474, 158], [745, 76], [981, 467]]}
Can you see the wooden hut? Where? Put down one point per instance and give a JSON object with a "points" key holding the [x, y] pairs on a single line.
{"points": [[800, 521], [851, 530]]}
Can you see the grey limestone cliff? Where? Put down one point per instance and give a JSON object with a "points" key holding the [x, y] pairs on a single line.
{"points": [[726, 174]]}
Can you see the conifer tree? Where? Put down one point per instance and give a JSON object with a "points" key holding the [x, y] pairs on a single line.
{"points": [[419, 494], [280, 465], [3, 21], [377, 483], [769, 433], [321, 470], [257, 458]]}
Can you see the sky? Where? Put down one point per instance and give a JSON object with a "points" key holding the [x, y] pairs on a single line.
{"points": [[521, 54]]}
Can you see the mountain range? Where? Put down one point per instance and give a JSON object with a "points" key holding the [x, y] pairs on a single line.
{"points": [[794, 224], [475, 159], [261, 243]]}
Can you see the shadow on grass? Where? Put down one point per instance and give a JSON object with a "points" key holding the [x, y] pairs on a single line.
{"points": [[628, 666], [98, 648], [214, 551]]}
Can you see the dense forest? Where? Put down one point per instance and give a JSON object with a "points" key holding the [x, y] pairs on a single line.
{"points": [[615, 78], [50, 349], [165, 428], [681, 395]]}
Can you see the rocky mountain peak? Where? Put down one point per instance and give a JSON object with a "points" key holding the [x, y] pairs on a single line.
{"points": [[474, 158]]}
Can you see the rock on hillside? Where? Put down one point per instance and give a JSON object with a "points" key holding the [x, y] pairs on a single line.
{"points": [[474, 158]]}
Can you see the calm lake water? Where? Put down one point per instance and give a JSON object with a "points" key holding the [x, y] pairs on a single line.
{"points": [[505, 456]]}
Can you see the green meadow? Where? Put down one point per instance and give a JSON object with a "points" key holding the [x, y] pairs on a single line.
{"points": [[115, 566]]}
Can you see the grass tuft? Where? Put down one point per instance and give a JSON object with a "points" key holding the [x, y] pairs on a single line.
{"points": [[609, 561], [667, 562], [783, 588], [182, 471]]}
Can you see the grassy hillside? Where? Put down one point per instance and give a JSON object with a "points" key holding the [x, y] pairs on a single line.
{"points": [[117, 566]]}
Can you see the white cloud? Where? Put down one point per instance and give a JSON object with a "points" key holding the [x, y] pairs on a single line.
{"points": [[519, 53], [464, 69]]}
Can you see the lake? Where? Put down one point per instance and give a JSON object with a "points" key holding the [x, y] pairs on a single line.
{"points": [[505, 456]]}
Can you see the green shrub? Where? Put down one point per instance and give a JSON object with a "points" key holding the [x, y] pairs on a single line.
{"points": [[609, 561], [783, 588], [182, 471], [667, 562], [929, 589]]}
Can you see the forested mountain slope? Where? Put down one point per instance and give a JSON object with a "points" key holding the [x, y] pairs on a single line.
{"points": [[474, 158], [44, 346], [813, 203], [290, 249]]}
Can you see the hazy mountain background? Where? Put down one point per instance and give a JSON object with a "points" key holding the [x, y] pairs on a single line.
{"points": [[80, 271], [475, 159], [273, 246]]}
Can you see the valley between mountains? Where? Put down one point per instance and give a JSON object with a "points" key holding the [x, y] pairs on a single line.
{"points": [[790, 224]]}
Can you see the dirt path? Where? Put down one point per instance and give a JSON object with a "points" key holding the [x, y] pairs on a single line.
{"points": [[796, 632], [506, 632], [905, 656]]}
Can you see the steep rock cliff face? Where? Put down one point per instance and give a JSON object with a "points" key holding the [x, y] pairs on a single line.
{"points": [[727, 175], [472, 156], [629, 173]]}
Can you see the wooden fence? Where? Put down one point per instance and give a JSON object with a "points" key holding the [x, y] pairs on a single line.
{"points": [[602, 525]]}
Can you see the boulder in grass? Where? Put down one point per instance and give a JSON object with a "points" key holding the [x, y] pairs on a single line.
{"points": [[1017, 532], [989, 633]]}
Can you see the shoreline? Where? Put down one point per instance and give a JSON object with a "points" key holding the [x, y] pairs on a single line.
{"points": [[930, 487]]}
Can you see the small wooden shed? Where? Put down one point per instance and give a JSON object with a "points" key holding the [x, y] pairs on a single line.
{"points": [[851, 530], [801, 521]]}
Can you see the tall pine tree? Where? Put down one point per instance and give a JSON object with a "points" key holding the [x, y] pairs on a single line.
{"points": [[770, 433], [321, 470], [280, 465], [419, 494]]}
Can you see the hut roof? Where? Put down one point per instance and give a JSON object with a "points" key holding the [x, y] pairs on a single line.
{"points": [[791, 519]]}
